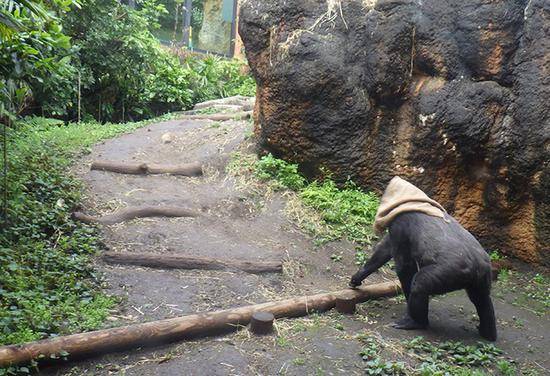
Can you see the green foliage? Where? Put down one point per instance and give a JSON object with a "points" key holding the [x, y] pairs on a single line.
{"points": [[348, 211], [436, 359], [453, 358], [506, 368], [495, 256], [361, 256], [530, 291], [374, 364], [285, 174], [47, 285], [213, 77], [345, 212], [125, 73], [36, 59], [106, 52]]}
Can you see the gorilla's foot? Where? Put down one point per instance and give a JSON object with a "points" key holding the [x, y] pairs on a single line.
{"points": [[407, 323], [490, 334]]}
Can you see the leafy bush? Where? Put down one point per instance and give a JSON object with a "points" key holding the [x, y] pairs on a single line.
{"points": [[213, 77], [124, 71], [284, 173], [47, 285], [121, 69], [35, 56], [127, 74], [346, 212]]}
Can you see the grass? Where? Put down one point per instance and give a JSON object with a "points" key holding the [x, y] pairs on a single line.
{"points": [[530, 291], [47, 284], [325, 210]]}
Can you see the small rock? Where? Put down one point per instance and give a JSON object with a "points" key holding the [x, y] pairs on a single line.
{"points": [[167, 138]]}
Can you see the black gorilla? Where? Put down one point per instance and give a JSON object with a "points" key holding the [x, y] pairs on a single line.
{"points": [[434, 256]]}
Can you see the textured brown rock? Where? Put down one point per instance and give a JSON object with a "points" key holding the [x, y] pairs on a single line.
{"points": [[453, 96]]}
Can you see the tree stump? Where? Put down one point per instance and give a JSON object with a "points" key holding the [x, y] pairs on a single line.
{"points": [[345, 304], [261, 323]]}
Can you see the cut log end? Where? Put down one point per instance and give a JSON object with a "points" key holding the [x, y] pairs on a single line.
{"points": [[345, 304], [79, 216], [261, 323]]}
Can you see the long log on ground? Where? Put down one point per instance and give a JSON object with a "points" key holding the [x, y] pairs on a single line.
{"points": [[181, 328], [219, 117], [153, 260], [187, 169], [236, 100], [128, 214]]}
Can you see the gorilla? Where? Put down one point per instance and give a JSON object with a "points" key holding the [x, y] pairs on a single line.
{"points": [[433, 255]]}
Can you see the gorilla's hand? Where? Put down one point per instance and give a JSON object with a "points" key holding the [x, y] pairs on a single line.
{"points": [[356, 280]]}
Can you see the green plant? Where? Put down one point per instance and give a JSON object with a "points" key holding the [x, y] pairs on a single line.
{"points": [[495, 256], [336, 257], [284, 173], [47, 284], [370, 349], [506, 368], [299, 361], [361, 256], [125, 73], [374, 364], [344, 212], [214, 77], [453, 358], [348, 211], [531, 291], [35, 55], [101, 61]]}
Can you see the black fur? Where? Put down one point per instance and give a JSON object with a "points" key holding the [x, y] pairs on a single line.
{"points": [[434, 257]]}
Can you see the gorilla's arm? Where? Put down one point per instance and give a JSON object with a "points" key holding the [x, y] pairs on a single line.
{"points": [[382, 254]]}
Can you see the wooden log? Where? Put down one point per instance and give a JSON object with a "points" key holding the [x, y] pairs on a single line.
{"points": [[128, 214], [187, 169], [164, 261], [262, 323], [345, 304], [219, 117], [181, 328], [237, 100]]}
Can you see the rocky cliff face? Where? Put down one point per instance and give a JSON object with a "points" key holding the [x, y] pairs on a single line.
{"points": [[451, 95]]}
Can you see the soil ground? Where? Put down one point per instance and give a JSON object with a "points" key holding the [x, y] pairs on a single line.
{"points": [[240, 224]]}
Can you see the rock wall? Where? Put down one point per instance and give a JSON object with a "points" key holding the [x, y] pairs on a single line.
{"points": [[452, 95]]}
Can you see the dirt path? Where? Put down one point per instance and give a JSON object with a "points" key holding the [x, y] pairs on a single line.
{"points": [[241, 225]]}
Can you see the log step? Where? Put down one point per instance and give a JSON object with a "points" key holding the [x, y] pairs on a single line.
{"points": [[164, 261]]}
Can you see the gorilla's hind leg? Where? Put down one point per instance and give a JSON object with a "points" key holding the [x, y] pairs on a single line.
{"points": [[484, 306], [406, 274], [418, 301]]}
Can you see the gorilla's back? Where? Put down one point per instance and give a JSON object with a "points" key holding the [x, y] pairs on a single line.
{"points": [[432, 240]]}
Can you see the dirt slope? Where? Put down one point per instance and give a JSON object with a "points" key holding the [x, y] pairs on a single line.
{"points": [[243, 225]]}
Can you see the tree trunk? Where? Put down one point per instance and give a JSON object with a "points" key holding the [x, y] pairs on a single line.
{"points": [[182, 328], [164, 261]]}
